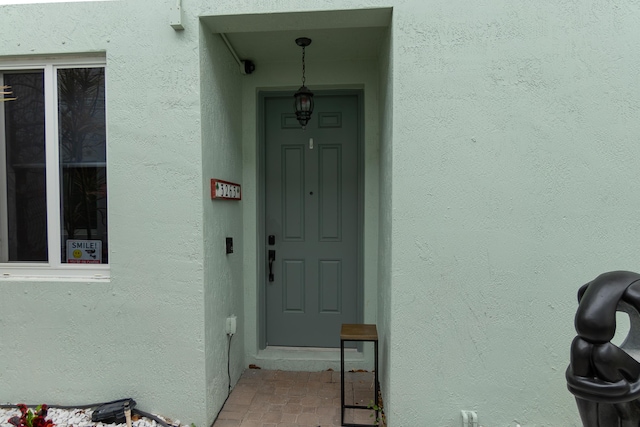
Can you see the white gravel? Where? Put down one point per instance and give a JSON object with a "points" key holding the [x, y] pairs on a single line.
{"points": [[78, 418]]}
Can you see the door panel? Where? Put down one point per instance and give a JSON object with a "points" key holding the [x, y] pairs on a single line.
{"points": [[330, 193], [312, 210], [292, 189]]}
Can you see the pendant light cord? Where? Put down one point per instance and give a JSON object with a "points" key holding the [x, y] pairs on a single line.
{"points": [[303, 67]]}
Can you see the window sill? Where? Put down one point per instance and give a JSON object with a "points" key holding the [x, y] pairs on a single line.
{"points": [[11, 272]]}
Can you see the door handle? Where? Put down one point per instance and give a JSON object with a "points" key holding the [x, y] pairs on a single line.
{"points": [[272, 257]]}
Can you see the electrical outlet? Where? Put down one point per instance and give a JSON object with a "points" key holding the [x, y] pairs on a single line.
{"points": [[230, 327], [469, 418]]}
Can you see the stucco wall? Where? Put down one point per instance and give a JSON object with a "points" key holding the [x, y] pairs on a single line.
{"points": [[141, 334], [385, 214], [512, 186], [221, 158]]}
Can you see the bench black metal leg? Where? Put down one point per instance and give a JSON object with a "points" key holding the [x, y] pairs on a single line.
{"points": [[341, 382]]}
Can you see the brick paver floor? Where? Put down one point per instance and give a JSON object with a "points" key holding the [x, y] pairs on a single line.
{"points": [[263, 398]]}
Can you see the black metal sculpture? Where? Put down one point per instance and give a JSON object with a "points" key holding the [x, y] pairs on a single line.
{"points": [[604, 378]]}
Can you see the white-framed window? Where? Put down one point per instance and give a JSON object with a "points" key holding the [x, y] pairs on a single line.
{"points": [[53, 169]]}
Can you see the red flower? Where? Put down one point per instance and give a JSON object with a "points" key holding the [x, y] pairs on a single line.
{"points": [[29, 419], [41, 422]]}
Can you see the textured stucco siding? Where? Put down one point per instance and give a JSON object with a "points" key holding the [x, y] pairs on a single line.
{"points": [[512, 186], [385, 212], [221, 158]]}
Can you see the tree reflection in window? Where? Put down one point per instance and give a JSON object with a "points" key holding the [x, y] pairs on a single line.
{"points": [[26, 203], [82, 143]]}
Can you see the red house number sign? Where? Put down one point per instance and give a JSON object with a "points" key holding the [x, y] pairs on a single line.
{"points": [[225, 190]]}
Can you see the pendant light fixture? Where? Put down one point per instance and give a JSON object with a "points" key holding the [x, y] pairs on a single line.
{"points": [[303, 97]]}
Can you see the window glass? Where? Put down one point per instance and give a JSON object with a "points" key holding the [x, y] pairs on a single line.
{"points": [[83, 178], [25, 197]]}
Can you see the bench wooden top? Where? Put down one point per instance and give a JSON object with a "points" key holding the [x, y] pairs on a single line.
{"points": [[358, 332]]}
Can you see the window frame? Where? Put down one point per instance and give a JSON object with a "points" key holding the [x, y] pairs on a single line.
{"points": [[54, 268]]}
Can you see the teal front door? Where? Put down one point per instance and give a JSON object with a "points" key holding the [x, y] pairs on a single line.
{"points": [[311, 220]]}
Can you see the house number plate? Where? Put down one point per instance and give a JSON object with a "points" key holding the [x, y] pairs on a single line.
{"points": [[225, 190]]}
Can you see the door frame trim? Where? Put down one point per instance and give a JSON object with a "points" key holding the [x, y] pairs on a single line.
{"points": [[261, 199]]}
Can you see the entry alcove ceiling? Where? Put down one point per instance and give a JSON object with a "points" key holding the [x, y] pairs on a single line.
{"points": [[336, 35]]}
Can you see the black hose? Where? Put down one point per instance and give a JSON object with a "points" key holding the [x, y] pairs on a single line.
{"points": [[95, 405], [228, 373], [229, 362], [152, 417]]}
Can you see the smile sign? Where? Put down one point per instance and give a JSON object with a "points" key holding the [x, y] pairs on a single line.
{"points": [[84, 251]]}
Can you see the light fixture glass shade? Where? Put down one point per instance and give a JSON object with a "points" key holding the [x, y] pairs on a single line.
{"points": [[304, 105]]}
